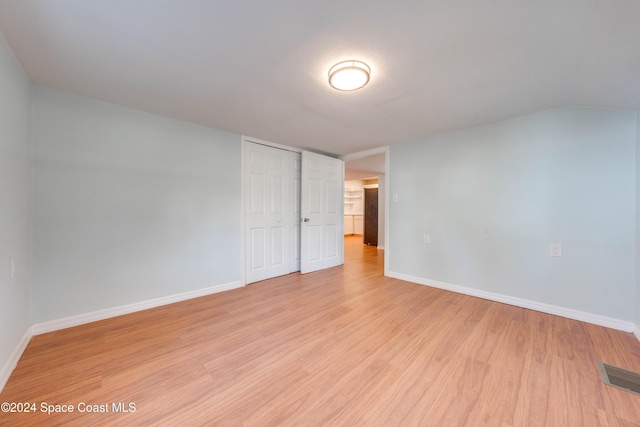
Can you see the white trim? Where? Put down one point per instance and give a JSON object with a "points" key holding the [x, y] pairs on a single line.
{"points": [[244, 142], [636, 331], [387, 211], [366, 153], [569, 313], [245, 138], [11, 364], [381, 248], [80, 319]]}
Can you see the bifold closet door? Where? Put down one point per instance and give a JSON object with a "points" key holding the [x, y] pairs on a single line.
{"points": [[269, 212], [293, 211], [322, 236]]}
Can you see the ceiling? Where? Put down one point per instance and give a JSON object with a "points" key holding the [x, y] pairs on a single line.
{"points": [[259, 68], [364, 167]]}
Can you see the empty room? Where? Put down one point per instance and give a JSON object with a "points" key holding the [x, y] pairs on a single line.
{"points": [[411, 213]]}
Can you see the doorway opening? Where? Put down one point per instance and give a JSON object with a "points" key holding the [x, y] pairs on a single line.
{"points": [[364, 200]]}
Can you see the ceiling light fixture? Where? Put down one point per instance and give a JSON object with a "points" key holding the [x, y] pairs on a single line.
{"points": [[349, 75]]}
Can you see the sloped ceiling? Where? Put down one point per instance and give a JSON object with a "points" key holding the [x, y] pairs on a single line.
{"points": [[259, 68]]}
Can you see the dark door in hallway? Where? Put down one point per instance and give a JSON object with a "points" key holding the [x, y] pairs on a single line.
{"points": [[371, 216]]}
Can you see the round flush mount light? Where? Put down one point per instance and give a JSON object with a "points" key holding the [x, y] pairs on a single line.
{"points": [[349, 75]]}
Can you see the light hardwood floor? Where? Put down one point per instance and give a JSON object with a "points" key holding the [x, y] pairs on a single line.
{"points": [[341, 347]]}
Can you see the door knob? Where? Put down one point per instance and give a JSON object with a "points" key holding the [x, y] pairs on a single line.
{"points": [[306, 220]]}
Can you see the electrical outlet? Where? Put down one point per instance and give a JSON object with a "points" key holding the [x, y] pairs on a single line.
{"points": [[426, 239], [555, 249]]}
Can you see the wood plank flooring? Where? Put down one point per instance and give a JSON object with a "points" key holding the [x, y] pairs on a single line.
{"points": [[340, 347]]}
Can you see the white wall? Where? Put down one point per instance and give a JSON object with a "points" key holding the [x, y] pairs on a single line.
{"points": [[128, 206], [493, 198], [637, 329], [381, 210], [15, 211]]}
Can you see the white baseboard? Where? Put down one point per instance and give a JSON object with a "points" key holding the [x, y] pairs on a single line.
{"points": [[11, 364], [569, 313], [80, 319], [381, 248]]}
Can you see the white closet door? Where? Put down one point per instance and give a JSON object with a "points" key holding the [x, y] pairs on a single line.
{"points": [[322, 239], [267, 212]]}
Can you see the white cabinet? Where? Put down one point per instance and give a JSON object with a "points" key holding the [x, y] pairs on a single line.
{"points": [[348, 225], [358, 224], [353, 224]]}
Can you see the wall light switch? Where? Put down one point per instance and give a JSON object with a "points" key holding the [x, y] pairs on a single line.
{"points": [[426, 239], [555, 250], [395, 197]]}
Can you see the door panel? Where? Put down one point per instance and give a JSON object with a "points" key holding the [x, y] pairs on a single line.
{"points": [[257, 260], [331, 246], [333, 197], [277, 195], [322, 227], [314, 243], [267, 225], [371, 216], [314, 196], [257, 194], [278, 246]]}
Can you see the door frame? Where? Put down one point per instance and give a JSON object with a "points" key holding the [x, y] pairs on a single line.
{"points": [[387, 195]]}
